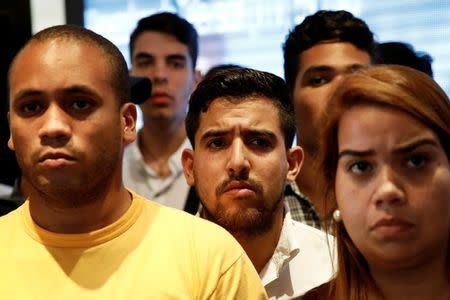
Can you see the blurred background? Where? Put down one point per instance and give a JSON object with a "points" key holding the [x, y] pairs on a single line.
{"points": [[251, 32]]}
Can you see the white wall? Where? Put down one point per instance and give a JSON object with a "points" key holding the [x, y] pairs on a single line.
{"points": [[46, 13]]}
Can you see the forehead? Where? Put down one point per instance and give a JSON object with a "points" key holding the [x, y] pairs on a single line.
{"points": [[155, 42], [248, 113], [61, 52], [367, 125], [59, 63], [336, 55]]}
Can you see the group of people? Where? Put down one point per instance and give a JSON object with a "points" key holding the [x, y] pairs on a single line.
{"points": [[358, 209]]}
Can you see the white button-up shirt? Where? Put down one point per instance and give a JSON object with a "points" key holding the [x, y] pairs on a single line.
{"points": [[300, 262], [138, 176]]}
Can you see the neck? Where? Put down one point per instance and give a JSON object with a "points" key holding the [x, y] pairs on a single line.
{"points": [[83, 213], [158, 143], [429, 281], [260, 248], [308, 181]]}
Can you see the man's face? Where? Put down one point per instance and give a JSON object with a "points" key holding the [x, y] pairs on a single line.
{"points": [[321, 68], [67, 128], [240, 164], [166, 61]]}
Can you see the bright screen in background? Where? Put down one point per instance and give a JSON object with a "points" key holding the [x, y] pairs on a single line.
{"points": [[251, 32]]}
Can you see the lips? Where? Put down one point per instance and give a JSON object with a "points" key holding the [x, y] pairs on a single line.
{"points": [[391, 226], [160, 95], [56, 156], [56, 160], [160, 98], [238, 185]]}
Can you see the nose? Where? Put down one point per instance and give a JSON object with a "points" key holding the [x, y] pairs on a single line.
{"points": [[238, 165], [334, 84], [159, 75], [389, 191], [55, 129]]}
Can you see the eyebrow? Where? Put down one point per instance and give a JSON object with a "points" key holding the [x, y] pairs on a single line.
{"points": [[74, 89], [356, 153], [409, 147], [79, 88], [176, 57], [27, 93], [260, 132], [144, 55], [317, 69], [212, 134], [326, 68], [252, 132]]}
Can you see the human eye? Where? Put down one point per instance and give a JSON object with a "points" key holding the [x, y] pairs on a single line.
{"points": [[360, 167], [216, 144], [81, 104], [177, 63], [416, 161], [317, 81], [143, 62], [30, 108], [260, 142]]}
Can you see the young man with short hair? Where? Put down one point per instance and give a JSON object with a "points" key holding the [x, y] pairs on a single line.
{"points": [[241, 126], [317, 53], [164, 48]]}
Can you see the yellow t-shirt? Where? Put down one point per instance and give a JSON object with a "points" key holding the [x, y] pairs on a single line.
{"points": [[151, 252]]}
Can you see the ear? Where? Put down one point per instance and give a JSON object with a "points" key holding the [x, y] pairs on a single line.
{"points": [[128, 116], [187, 160], [295, 158], [10, 141]]}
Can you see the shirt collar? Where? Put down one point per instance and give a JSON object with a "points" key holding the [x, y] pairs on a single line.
{"points": [[286, 249]]}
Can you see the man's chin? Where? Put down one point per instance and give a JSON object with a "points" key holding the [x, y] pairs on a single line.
{"points": [[250, 221]]}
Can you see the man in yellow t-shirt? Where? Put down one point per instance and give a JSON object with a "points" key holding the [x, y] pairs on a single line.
{"points": [[81, 234]]}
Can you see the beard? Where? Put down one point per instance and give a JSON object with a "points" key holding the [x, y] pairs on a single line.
{"points": [[249, 221]]}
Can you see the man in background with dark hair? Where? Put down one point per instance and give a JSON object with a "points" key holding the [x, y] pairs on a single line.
{"points": [[317, 53], [164, 48], [241, 125], [81, 234], [219, 68]]}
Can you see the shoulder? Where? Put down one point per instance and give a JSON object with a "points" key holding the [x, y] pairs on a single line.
{"points": [[202, 234], [9, 224], [216, 261], [11, 216]]}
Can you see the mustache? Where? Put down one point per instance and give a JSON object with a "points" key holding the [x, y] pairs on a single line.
{"points": [[247, 183]]}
